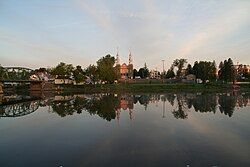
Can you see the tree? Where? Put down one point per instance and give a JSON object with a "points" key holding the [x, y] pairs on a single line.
{"points": [[227, 72], [205, 70], [106, 69], [179, 63], [135, 73], [231, 70], [63, 70], [92, 72], [78, 74], [189, 70], [1, 72], [170, 73], [143, 72]]}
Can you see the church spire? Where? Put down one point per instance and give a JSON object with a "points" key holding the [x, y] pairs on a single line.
{"points": [[130, 57], [117, 60]]}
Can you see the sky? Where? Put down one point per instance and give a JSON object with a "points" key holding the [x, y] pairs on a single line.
{"points": [[42, 33]]}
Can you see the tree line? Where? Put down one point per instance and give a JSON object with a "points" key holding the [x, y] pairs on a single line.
{"points": [[207, 71], [106, 71]]}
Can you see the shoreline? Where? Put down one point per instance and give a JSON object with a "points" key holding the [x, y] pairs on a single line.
{"points": [[151, 88], [138, 88]]}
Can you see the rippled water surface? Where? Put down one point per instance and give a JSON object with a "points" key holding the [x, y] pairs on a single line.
{"points": [[172, 129]]}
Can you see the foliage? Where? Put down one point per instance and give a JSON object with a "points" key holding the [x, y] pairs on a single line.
{"points": [[227, 104], [170, 73], [179, 63], [189, 70], [106, 69], [105, 107], [2, 71], [92, 72], [205, 70], [143, 72], [63, 70], [135, 73], [78, 74], [227, 72]]}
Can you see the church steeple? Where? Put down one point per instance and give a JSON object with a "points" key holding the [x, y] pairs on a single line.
{"points": [[117, 60], [130, 58]]}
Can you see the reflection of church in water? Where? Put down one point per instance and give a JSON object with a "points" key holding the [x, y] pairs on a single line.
{"points": [[125, 104], [124, 71]]}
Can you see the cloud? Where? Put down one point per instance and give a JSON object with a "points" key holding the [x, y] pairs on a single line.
{"points": [[216, 29], [101, 17], [38, 53]]}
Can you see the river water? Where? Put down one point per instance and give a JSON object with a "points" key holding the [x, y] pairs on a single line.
{"points": [[171, 129]]}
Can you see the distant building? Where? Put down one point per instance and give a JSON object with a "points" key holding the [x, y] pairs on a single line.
{"points": [[60, 81], [124, 71], [242, 68], [154, 74], [40, 75]]}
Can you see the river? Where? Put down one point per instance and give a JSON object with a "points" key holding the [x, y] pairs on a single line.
{"points": [[170, 129]]}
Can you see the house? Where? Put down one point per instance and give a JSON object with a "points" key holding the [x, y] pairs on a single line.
{"points": [[59, 81], [191, 78]]}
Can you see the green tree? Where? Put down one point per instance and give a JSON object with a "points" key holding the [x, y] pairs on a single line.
{"points": [[170, 73], [205, 70], [189, 69], [135, 73], [104, 106], [106, 69], [62, 70], [143, 72], [227, 72], [179, 63], [78, 74], [2, 72], [92, 72]]}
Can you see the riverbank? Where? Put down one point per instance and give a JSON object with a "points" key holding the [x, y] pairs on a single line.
{"points": [[156, 88]]}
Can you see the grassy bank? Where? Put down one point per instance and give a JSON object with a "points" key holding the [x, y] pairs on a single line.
{"points": [[151, 88]]}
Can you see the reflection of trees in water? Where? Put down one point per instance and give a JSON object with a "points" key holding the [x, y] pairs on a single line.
{"points": [[170, 97], [144, 100], [104, 106], [227, 103], [63, 108], [204, 102], [207, 102], [181, 111], [243, 100], [107, 105]]}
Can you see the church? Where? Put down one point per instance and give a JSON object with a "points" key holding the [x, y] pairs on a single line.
{"points": [[124, 71]]}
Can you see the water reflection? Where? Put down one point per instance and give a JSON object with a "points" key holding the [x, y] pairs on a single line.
{"points": [[110, 106]]}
